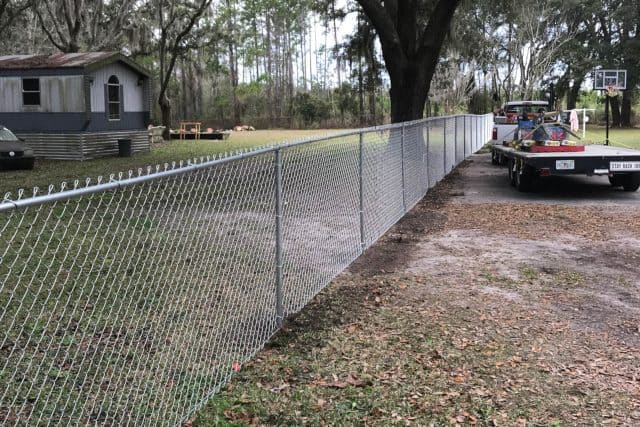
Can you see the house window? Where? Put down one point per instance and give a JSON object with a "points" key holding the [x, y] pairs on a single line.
{"points": [[113, 98], [31, 92]]}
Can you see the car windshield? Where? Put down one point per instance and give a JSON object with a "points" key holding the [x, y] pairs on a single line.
{"points": [[7, 135]]}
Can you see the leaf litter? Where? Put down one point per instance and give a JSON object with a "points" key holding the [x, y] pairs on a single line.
{"points": [[461, 315]]}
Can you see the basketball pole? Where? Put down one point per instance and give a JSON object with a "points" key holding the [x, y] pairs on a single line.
{"points": [[606, 113]]}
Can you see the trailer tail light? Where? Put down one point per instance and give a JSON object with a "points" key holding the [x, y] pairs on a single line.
{"points": [[545, 172], [494, 134]]}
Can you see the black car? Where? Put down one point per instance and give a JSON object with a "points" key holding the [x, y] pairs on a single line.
{"points": [[14, 153]]}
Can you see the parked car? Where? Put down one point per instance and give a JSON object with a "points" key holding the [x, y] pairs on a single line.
{"points": [[14, 153]]}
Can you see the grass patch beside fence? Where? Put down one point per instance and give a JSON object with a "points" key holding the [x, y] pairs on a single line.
{"points": [[629, 138], [47, 172]]}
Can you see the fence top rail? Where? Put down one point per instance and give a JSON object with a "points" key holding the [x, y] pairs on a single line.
{"points": [[156, 173]]}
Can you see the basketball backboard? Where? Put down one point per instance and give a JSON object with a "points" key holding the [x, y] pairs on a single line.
{"points": [[606, 79]]}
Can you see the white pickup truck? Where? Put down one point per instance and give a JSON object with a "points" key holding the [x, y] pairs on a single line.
{"points": [[506, 122]]}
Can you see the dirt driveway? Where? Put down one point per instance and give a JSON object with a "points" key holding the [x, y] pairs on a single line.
{"points": [[481, 307]]}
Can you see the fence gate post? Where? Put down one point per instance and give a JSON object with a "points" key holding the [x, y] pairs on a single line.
{"points": [[404, 202], [361, 184], [279, 262]]}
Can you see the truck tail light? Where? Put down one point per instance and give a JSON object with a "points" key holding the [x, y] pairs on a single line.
{"points": [[494, 134]]}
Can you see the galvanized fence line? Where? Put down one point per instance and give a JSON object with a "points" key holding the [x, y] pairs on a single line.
{"points": [[132, 301]]}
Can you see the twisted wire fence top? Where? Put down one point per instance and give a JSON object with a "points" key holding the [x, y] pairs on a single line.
{"points": [[131, 300]]}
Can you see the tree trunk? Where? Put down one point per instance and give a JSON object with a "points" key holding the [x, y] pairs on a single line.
{"points": [[409, 95], [572, 94], [184, 94], [625, 116], [411, 50], [335, 41], [360, 92], [614, 103], [165, 109]]}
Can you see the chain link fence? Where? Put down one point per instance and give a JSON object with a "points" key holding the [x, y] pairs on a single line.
{"points": [[130, 302]]}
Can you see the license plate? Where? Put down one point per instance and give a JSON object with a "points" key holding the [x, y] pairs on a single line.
{"points": [[565, 165], [624, 166]]}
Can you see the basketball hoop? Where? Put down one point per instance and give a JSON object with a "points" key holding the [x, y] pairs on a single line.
{"points": [[611, 82]]}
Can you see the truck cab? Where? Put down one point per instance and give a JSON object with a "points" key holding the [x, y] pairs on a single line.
{"points": [[506, 121]]}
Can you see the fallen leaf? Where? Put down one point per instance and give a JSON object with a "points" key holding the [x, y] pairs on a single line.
{"points": [[354, 381]]}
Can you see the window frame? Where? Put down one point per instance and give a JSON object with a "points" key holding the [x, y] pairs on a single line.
{"points": [[118, 93], [30, 92]]}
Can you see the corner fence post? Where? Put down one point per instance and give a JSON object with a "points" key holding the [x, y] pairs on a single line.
{"points": [[279, 263], [404, 201], [361, 191]]}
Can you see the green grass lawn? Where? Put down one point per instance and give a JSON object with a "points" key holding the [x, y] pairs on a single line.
{"points": [[47, 172], [629, 138]]}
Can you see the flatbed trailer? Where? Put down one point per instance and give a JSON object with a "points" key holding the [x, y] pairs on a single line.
{"points": [[621, 165]]}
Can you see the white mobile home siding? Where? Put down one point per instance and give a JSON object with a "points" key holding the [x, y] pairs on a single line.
{"points": [[58, 94], [133, 94]]}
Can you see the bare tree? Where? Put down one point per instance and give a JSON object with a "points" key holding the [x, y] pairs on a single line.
{"points": [[537, 43], [74, 25], [10, 10]]}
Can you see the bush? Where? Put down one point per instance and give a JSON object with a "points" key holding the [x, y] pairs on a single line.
{"points": [[310, 108]]}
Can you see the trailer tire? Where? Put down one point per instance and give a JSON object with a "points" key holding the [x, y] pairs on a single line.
{"points": [[512, 172], [525, 176], [616, 180], [631, 182]]}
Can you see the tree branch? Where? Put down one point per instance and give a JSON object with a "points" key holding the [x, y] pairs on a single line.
{"points": [[382, 22], [434, 34]]}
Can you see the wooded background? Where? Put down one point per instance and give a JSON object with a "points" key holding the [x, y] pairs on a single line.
{"points": [[303, 63]]}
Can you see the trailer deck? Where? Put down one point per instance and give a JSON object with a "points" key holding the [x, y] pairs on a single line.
{"points": [[621, 165]]}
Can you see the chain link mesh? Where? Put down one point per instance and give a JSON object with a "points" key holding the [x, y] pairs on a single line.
{"points": [[131, 302]]}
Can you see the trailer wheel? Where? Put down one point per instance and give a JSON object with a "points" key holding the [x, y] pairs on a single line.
{"points": [[512, 171], [616, 180], [631, 182], [524, 178], [494, 157]]}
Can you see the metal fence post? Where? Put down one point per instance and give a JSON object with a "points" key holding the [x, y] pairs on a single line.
{"points": [[361, 178], [444, 156], [478, 133], [279, 275], [475, 139], [484, 128], [404, 201], [464, 136], [428, 155], [455, 145]]}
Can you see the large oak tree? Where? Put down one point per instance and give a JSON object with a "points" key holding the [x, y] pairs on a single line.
{"points": [[411, 33]]}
